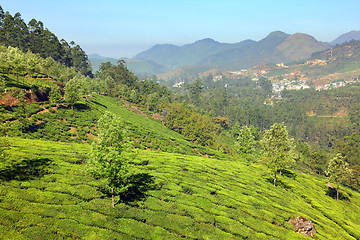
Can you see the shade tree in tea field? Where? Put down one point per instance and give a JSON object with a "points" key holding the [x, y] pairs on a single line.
{"points": [[338, 171], [109, 158], [277, 148]]}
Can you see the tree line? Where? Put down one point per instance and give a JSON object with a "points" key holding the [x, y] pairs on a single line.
{"points": [[38, 39], [322, 123]]}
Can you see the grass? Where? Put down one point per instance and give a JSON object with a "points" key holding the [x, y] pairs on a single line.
{"points": [[149, 133], [192, 198], [15, 82], [78, 125]]}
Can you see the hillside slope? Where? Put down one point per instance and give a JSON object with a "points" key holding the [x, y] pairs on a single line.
{"points": [[149, 133], [250, 54], [173, 56], [47, 194], [300, 46], [207, 53], [347, 37]]}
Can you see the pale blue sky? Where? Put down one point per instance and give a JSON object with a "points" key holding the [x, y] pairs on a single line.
{"points": [[124, 28]]}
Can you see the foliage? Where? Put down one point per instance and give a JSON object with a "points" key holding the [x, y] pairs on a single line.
{"points": [[245, 141], [338, 171], [2, 85], [108, 156], [223, 122], [118, 81], [197, 128], [195, 90], [72, 91], [196, 198], [55, 95], [56, 123], [277, 148], [15, 61], [4, 145], [34, 37], [349, 147], [149, 133]]}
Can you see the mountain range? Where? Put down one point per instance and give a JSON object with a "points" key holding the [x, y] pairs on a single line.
{"points": [[346, 37], [208, 54]]}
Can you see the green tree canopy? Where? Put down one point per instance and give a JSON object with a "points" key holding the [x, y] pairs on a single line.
{"points": [[36, 38], [72, 91], [277, 148], [338, 171], [110, 154], [245, 141], [55, 95]]}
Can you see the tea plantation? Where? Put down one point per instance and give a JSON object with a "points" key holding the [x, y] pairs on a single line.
{"points": [[179, 190], [46, 193]]}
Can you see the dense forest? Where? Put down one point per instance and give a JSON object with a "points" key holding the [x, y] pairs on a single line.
{"points": [[38, 39], [321, 122]]}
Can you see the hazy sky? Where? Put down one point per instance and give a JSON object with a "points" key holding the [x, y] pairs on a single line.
{"points": [[117, 28]]}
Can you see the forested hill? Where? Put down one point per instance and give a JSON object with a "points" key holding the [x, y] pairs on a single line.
{"points": [[38, 39], [276, 47], [347, 51]]}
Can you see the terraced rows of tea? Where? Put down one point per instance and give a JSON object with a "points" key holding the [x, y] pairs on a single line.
{"points": [[149, 133], [46, 193]]}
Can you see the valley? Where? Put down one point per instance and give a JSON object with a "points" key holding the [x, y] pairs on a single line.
{"points": [[208, 140]]}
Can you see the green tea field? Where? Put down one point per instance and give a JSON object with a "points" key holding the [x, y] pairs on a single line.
{"points": [[46, 193]]}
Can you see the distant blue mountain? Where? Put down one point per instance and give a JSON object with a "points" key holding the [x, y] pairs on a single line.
{"points": [[172, 56], [346, 37], [212, 54], [136, 66], [96, 56], [207, 54]]}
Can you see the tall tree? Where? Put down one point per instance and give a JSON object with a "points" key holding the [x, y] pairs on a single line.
{"points": [[109, 158], [338, 171], [34, 37], [277, 148], [36, 31], [195, 90], [21, 36], [55, 95], [80, 60], [72, 91], [245, 141]]}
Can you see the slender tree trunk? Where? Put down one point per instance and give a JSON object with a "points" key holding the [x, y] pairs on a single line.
{"points": [[112, 197], [337, 193], [275, 176]]}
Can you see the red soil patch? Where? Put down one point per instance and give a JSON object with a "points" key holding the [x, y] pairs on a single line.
{"points": [[72, 130], [41, 112], [9, 100], [91, 136], [44, 111], [136, 110], [158, 116]]}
